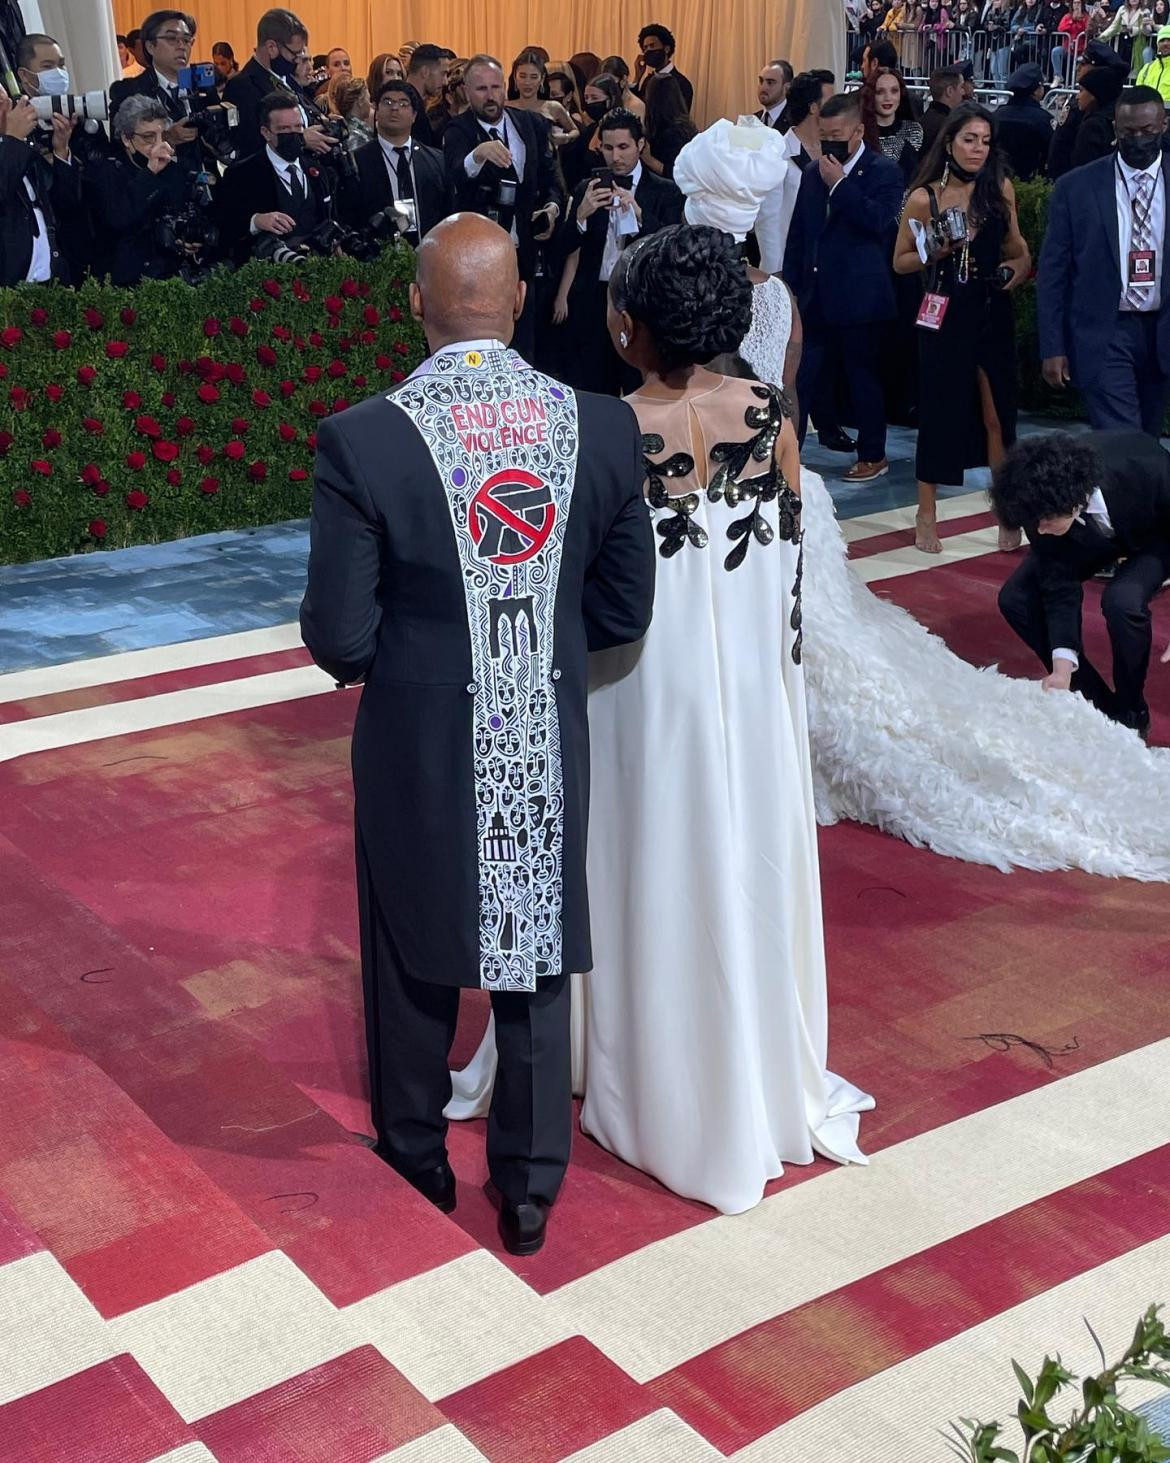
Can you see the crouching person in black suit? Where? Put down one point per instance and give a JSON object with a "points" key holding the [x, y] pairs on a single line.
{"points": [[131, 194], [394, 168], [278, 196], [1087, 503]]}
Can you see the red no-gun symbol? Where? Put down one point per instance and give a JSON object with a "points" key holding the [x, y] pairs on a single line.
{"points": [[511, 517]]}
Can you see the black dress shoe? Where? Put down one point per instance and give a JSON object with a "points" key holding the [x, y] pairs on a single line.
{"points": [[523, 1226], [835, 440], [436, 1184]]}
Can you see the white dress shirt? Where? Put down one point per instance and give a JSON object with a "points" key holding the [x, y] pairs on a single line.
{"points": [[284, 171], [621, 224], [512, 141], [1097, 510], [171, 88], [773, 114], [40, 268], [390, 154], [1126, 191]]}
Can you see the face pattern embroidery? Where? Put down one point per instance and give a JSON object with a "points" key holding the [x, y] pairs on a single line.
{"points": [[503, 439]]}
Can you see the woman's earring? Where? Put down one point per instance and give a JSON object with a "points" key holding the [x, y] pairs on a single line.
{"points": [[946, 177], [625, 339]]}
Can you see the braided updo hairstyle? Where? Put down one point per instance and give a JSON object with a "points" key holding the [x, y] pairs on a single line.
{"points": [[687, 285]]}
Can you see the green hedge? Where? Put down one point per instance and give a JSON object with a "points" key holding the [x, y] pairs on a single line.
{"points": [[1032, 203], [132, 416]]}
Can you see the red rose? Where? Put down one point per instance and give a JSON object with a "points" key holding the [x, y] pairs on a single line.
{"points": [[334, 304], [234, 451], [318, 409], [271, 287], [185, 426], [51, 438], [7, 439], [287, 433], [3, 370], [159, 363], [128, 316], [282, 332], [312, 373], [261, 399], [185, 368], [258, 471], [97, 528], [21, 499], [91, 424], [394, 314], [175, 477], [136, 461], [340, 405], [364, 290], [62, 340], [359, 380], [367, 337], [94, 318], [208, 393], [236, 374], [211, 328], [240, 426], [382, 362], [349, 288], [136, 498], [86, 375], [237, 326], [131, 400], [166, 451], [288, 388], [397, 376], [41, 467], [54, 393], [168, 399], [148, 427], [301, 290], [316, 339], [257, 306], [311, 441], [298, 475], [266, 355], [209, 486], [299, 343], [116, 349], [337, 369], [345, 345], [38, 316], [11, 336], [101, 488], [91, 474], [205, 454], [400, 347], [18, 396]]}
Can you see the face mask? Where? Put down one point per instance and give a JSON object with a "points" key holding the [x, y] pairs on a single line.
{"points": [[281, 66], [1139, 152], [655, 59], [54, 83], [596, 110], [838, 150], [289, 146], [957, 171]]}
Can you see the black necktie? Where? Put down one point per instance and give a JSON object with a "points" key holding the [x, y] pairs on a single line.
{"points": [[402, 168], [296, 187]]}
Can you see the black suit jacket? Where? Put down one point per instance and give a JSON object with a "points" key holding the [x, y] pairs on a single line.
{"points": [[148, 85], [250, 187], [386, 602], [372, 192], [58, 193], [539, 186], [837, 261], [661, 202], [245, 91], [126, 202], [1136, 490]]}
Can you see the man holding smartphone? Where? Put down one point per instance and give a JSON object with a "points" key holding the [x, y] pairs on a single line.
{"points": [[619, 202]]}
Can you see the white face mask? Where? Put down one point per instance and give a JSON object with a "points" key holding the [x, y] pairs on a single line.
{"points": [[54, 83]]}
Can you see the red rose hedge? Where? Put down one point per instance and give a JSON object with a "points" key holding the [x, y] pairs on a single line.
{"points": [[116, 402]]}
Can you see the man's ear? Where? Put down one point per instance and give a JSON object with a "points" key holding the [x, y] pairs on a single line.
{"points": [[416, 303], [521, 296]]}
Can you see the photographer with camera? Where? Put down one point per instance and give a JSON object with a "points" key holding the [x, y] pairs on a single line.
{"points": [[39, 193], [280, 62], [167, 38], [394, 169], [960, 228], [132, 197], [270, 203], [44, 79]]}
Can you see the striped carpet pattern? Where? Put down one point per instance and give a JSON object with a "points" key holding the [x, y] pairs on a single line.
{"points": [[201, 1259]]}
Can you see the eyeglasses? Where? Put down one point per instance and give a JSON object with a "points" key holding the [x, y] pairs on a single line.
{"points": [[175, 37], [397, 104], [148, 139]]}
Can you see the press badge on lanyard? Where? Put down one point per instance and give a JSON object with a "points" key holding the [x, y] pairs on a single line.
{"points": [[932, 312], [1142, 273]]}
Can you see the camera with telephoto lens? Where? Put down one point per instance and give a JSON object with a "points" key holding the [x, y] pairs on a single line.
{"points": [[343, 155], [949, 228], [327, 239], [188, 232], [90, 106], [215, 121]]}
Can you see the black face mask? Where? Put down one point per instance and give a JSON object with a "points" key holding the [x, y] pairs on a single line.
{"points": [[958, 171], [1139, 152], [838, 150], [596, 110], [281, 66], [289, 146], [655, 59]]}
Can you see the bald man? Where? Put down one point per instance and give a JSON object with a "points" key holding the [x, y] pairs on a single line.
{"points": [[475, 533]]}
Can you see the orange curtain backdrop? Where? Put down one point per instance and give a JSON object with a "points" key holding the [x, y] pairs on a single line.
{"points": [[721, 43]]}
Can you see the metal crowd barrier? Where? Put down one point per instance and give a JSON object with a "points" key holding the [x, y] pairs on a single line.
{"points": [[993, 55]]}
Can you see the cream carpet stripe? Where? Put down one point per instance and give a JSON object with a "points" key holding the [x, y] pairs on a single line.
{"points": [[894, 1417], [672, 1300], [445, 1445], [890, 520], [893, 563], [654, 1439], [48, 1329], [71, 728], [127, 665]]}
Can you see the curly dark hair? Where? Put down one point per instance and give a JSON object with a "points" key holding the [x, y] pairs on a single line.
{"points": [[688, 286], [1045, 477], [987, 196]]}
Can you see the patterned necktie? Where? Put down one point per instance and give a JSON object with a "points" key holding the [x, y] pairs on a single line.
{"points": [[1136, 297]]}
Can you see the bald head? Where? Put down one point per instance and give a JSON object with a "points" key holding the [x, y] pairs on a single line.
{"points": [[468, 285]]}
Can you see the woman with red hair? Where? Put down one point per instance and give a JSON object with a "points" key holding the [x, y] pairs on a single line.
{"points": [[891, 127]]}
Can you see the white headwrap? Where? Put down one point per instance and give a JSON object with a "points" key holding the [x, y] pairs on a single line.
{"points": [[727, 172]]}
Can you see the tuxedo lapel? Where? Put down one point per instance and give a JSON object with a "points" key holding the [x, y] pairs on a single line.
{"points": [[1107, 203]]}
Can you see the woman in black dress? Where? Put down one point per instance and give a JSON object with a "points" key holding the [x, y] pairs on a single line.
{"points": [[668, 125], [966, 341]]}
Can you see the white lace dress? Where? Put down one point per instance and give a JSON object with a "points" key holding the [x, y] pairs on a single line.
{"points": [[910, 738]]}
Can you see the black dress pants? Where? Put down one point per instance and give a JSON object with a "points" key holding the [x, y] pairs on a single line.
{"points": [[854, 351], [1125, 605], [1129, 388], [410, 1025]]}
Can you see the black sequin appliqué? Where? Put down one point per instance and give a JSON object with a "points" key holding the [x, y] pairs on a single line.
{"points": [[674, 531]]}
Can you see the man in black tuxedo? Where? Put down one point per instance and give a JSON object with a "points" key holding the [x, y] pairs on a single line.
{"points": [[277, 196], [167, 38], [1088, 502], [837, 263], [1102, 292], [394, 168], [656, 58], [40, 194], [500, 163], [602, 220], [772, 94], [282, 42], [428, 75], [465, 589]]}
